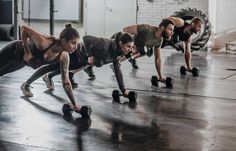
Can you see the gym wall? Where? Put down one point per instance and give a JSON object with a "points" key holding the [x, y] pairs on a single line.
{"points": [[225, 15], [39, 9], [66, 12], [152, 11]]}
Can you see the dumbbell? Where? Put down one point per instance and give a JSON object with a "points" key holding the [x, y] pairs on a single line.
{"points": [[169, 81], [132, 96], [195, 71], [85, 111]]}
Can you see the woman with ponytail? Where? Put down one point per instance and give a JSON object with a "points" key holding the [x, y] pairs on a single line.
{"points": [[35, 50]]}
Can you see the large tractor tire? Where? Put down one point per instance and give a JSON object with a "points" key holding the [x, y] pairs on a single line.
{"points": [[199, 40]]}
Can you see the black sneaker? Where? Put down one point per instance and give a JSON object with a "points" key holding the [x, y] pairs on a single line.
{"points": [[72, 81], [89, 71], [133, 62]]}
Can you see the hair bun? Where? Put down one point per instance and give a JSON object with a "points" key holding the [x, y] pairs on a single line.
{"points": [[68, 26]]}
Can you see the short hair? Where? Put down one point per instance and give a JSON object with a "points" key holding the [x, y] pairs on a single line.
{"points": [[196, 20], [166, 22], [126, 38]]}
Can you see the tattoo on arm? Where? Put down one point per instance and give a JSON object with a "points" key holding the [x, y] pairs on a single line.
{"points": [[64, 61]]}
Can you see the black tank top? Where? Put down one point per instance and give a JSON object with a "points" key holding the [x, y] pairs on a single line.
{"points": [[179, 32], [39, 54]]}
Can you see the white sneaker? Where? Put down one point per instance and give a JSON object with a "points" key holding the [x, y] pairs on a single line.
{"points": [[49, 82], [25, 88]]}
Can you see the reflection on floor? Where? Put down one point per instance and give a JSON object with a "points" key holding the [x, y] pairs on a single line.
{"points": [[197, 114]]}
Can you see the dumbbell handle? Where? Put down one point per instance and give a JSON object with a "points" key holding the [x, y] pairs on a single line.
{"points": [[122, 94], [162, 81], [72, 107], [189, 70]]}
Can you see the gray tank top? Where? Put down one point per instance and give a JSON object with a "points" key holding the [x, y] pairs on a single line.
{"points": [[146, 36]]}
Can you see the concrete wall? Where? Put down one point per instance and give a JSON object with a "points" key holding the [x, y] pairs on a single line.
{"points": [[225, 15], [221, 14], [153, 12], [43, 25]]}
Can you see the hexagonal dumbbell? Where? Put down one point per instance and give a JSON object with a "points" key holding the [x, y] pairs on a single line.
{"points": [[132, 96], [85, 111], [169, 81], [195, 71]]}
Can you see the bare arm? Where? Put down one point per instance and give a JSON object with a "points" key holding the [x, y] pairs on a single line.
{"points": [[187, 53], [179, 22], [64, 61], [158, 62], [131, 29], [27, 34], [119, 76]]}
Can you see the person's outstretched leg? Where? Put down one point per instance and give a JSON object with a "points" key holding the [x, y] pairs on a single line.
{"points": [[40, 72], [11, 67], [77, 62], [47, 78], [11, 58]]}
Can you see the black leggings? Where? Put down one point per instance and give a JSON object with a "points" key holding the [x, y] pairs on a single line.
{"points": [[77, 60], [11, 57]]}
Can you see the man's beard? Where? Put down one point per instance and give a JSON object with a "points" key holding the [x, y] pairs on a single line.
{"points": [[193, 30], [164, 35]]}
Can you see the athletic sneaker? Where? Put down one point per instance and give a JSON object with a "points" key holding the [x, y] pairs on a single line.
{"points": [[89, 71], [133, 62], [49, 82], [25, 88], [72, 81]]}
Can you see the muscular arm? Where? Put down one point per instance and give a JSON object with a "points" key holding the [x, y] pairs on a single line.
{"points": [[30, 34], [64, 61], [187, 53], [119, 76], [179, 22], [157, 52], [131, 29]]}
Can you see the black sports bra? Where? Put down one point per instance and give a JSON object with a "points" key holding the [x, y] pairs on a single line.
{"points": [[39, 54]]}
